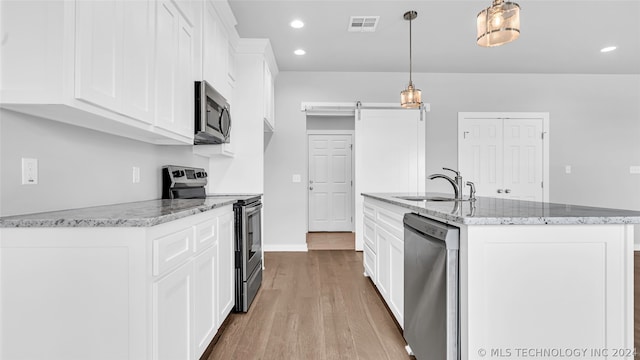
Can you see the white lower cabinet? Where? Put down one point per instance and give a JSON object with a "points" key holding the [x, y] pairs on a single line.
{"points": [[383, 235], [172, 304], [205, 312], [226, 266], [155, 293]]}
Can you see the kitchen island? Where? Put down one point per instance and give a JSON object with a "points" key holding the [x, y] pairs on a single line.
{"points": [[142, 280], [536, 279]]}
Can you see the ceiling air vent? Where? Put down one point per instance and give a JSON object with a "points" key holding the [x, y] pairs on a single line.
{"points": [[363, 23]]}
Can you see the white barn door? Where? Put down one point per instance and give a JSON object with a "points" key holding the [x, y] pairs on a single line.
{"points": [[505, 154], [389, 155], [330, 183]]}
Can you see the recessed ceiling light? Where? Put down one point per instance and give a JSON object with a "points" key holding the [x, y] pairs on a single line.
{"points": [[608, 49], [299, 52], [296, 24]]}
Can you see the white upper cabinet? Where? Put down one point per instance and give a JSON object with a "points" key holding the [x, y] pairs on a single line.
{"points": [[174, 89], [99, 53], [268, 91], [217, 48], [138, 43], [114, 44], [99, 64]]}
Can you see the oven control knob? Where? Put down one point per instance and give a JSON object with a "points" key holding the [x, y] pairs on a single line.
{"points": [[200, 174], [178, 173]]}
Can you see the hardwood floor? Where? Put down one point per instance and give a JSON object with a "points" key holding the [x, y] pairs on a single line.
{"points": [[331, 241], [314, 305]]}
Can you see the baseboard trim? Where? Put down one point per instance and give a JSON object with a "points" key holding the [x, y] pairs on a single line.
{"points": [[285, 248]]}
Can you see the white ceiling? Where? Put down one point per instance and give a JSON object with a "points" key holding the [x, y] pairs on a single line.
{"points": [[556, 36]]}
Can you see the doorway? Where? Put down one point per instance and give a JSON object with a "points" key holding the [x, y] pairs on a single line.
{"points": [[330, 187], [506, 154]]}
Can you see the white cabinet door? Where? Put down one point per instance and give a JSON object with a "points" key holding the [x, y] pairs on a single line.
{"points": [[185, 82], [174, 71], [268, 107], [383, 262], [396, 278], [137, 77], [369, 249], [226, 266], [172, 306], [99, 36], [215, 64], [205, 319], [167, 23]]}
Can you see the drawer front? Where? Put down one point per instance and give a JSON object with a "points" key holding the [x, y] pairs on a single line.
{"points": [[171, 250], [391, 221], [206, 234], [369, 232], [369, 210]]}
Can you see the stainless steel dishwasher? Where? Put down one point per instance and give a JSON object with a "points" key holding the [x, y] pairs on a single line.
{"points": [[431, 325]]}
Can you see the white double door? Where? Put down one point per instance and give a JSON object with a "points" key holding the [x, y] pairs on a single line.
{"points": [[505, 154], [330, 183]]}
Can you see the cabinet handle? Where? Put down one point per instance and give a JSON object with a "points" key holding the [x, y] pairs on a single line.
{"points": [[507, 191], [499, 191]]}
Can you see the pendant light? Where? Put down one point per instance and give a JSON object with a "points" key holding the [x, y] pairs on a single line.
{"points": [[410, 97], [498, 24]]}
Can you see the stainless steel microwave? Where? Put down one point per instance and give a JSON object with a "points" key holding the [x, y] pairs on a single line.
{"points": [[212, 115]]}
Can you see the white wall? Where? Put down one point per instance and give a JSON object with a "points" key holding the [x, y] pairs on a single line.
{"points": [[594, 127], [78, 167]]}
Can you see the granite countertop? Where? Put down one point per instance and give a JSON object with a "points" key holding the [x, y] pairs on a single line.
{"points": [[134, 214], [493, 211]]}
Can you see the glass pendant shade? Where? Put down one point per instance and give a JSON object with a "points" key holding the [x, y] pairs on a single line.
{"points": [[411, 97], [498, 24]]}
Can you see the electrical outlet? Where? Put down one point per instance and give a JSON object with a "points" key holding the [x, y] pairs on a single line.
{"points": [[296, 178], [567, 169], [634, 169], [136, 174], [29, 171]]}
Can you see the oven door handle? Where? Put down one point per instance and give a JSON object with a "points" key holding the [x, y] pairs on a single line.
{"points": [[253, 209]]}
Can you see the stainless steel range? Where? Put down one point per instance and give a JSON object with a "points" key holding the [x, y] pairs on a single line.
{"points": [[180, 182], [248, 216]]}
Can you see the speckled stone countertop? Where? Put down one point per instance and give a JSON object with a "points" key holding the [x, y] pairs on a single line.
{"points": [[493, 211], [134, 214]]}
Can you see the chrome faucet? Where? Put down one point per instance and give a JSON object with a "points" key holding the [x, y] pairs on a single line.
{"points": [[456, 188], [457, 184]]}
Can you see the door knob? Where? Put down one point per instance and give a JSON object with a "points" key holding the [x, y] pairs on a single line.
{"points": [[507, 191], [499, 191]]}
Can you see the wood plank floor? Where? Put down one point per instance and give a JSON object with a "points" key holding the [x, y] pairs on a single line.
{"points": [[314, 305], [331, 241]]}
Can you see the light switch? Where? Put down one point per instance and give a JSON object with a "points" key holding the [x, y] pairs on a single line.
{"points": [[567, 169], [296, 178], [136, 175], [29, 171], [634, 169]]}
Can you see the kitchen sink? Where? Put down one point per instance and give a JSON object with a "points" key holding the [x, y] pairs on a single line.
{"points": [[429, 198]]}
